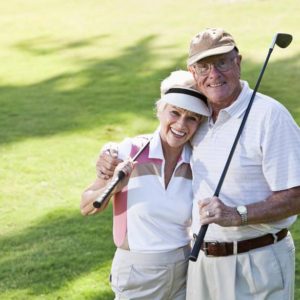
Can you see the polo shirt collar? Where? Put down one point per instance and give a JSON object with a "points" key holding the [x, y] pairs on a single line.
{"points": [[238, 107], [156, 152]]}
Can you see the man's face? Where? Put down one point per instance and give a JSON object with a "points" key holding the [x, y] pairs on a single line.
{"points": [[218, 77]]}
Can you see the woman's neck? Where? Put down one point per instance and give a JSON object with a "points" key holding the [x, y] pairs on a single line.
{"points": [[171, 156], [171, 153]]}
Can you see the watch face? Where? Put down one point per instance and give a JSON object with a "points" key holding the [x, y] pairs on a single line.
{"points": [[242, 209]]}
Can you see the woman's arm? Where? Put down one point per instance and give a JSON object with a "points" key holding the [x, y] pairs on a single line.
{"points": [[89, 196]]}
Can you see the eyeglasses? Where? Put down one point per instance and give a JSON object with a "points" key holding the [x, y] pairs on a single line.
{"points": [[222, 65]]}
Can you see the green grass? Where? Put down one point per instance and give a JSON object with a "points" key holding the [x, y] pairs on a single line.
{"points": [[75, 74]]}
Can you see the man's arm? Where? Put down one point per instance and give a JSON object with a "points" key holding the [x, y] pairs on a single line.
{"points": [[107, 161], [278, 206]]}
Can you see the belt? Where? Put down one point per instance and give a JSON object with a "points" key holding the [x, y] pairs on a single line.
{"points": [[225, 249]]}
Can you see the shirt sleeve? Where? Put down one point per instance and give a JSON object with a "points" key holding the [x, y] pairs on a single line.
{"points": [[123, 148], [280, 147]]}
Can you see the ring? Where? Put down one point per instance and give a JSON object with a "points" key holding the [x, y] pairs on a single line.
{"points": [[208, 213]]}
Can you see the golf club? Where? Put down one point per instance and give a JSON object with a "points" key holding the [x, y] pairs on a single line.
{"points": [[282, 40], [106, 193]]}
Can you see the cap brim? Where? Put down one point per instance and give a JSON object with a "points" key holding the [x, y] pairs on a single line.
{"points": [[216, 51], [187, 102]]}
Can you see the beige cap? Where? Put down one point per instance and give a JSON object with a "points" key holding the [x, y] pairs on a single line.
{"points": [[211, 41]]}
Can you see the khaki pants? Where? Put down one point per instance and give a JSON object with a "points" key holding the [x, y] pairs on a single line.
{"points": [[153, 276], [260, 274]]}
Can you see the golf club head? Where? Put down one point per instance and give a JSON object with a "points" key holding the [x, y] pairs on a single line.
{"points": [[282, 40]]}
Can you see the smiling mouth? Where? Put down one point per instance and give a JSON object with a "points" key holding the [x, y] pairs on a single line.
{"points": [[216, 84], [178, 133]]}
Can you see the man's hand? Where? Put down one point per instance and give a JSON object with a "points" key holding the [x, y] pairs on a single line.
{"points": [[107, 162], [213, 210], [125, 166]]}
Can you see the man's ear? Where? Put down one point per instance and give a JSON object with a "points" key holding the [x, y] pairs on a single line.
{"points": [[192, 70], [238, 61], [195, 75]]}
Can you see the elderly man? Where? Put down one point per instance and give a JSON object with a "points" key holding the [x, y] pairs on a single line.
{"points": [[248, 252]]}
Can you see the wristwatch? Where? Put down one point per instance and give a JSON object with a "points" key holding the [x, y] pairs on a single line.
{"points": [[242, 211]]}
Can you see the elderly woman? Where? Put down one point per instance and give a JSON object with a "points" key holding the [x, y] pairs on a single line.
{"points": [[153, 204]]}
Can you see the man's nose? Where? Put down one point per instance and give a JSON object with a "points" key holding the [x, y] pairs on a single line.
{"points": [[213, 70]]}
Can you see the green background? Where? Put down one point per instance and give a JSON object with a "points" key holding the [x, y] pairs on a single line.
{"points": [[77, 73]]}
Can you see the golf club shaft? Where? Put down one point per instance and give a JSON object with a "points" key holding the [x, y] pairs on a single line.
{"points": [[106, 194], [201, 234]]}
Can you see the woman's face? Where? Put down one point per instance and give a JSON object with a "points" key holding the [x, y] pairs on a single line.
{"points": [[177, 125]]}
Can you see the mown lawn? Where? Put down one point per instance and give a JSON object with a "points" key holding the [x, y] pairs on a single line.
{"points": [[75, 74]]}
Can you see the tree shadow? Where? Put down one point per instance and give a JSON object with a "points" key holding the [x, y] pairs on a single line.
{"points": [[279, 81], [78, 100], [61, 247], [295, 230], [57, 249], [45, 45]]}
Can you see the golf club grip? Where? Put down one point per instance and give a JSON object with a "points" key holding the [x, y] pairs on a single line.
{"points": [[97, 203], [198, 243]]}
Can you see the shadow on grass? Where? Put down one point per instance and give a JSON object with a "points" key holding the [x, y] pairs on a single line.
{"points": [[279, 81], [44, 45], [60, 248], [97, 95], [295, 230], [104, 91]]}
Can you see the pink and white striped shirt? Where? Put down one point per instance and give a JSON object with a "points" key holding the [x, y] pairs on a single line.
{"points": [[146, 215]]}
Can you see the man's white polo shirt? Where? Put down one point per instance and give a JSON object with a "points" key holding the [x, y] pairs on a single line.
{"points": [[266, 159]]}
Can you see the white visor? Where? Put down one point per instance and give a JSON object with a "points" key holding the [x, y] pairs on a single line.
{"points": [[188, 99]]}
